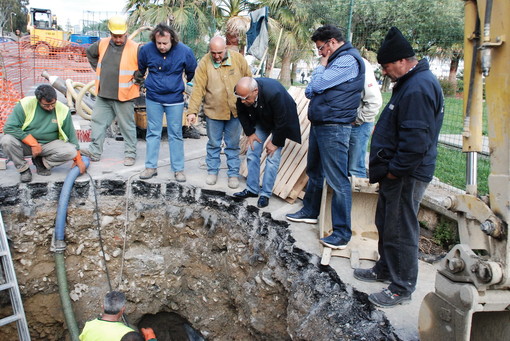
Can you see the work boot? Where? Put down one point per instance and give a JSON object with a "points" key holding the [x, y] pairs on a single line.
{"points": [[211, 179], [180, 177], [129, 161], [92, 157], [369, 275], [26, 176], [387, 299], [149, 173], [40, 167]]}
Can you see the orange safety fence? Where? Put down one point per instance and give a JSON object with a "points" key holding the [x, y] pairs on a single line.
{"points": [[21, 65]]}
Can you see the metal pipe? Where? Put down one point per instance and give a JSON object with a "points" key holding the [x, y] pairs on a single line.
{"points": [[471, 172]]}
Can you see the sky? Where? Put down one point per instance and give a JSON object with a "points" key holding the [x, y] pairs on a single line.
{"points": [[75, 11]]}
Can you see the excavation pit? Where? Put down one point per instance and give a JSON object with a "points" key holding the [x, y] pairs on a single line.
{"points": [[224, 267]]}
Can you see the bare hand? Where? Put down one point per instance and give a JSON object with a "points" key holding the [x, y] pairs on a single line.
{"points": [[252, 138], [324, 59], [191, 119], [271, 148]]}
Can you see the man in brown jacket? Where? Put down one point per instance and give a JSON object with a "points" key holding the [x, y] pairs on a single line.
{"points": [[213, 85]]}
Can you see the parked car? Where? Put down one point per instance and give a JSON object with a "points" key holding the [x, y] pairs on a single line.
{"points": [[6, 40]]}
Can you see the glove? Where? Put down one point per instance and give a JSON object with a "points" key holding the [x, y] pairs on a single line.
{"points": [[32, 142], [148, 334], [79, 162]]}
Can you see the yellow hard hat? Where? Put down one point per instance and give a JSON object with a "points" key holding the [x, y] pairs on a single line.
{"points": [[117, 24]]}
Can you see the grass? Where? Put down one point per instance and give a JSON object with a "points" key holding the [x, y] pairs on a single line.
{"points": [[451, 162]]}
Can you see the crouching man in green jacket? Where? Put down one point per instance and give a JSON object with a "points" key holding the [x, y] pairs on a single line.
{"points": [[42, 127]]}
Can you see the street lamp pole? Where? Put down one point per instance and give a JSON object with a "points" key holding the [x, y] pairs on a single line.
{"points": [[12, 26]]}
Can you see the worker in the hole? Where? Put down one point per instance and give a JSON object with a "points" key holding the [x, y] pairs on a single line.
{"points": [[265, 108], [216, 75], [403, 155], [166, 60], [108, 327], [42, 127], [115, 60]]}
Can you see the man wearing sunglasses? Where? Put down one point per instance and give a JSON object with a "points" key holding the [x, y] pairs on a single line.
{"points": [[335, 94]]}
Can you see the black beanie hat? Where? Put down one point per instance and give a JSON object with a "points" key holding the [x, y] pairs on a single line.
{"points": [[394, 47]]}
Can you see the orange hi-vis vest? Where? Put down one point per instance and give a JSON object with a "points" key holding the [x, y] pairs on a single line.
{"points": [[128, 65]]}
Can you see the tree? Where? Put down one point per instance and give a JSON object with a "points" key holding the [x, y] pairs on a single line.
{"points": [[193, 20], [13, 15]]}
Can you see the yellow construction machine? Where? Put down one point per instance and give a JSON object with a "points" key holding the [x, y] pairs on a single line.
{"points": [[45, 36], [472, 289]]}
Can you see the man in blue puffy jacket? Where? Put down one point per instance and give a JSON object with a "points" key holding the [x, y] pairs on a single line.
{"points": [[166, 59], [402, 160]]}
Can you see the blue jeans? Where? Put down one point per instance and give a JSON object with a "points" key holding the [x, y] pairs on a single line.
{"points": [[327, 158], [271, 169], [173, 113], [230, 132], [396, 219], [358, 149]]}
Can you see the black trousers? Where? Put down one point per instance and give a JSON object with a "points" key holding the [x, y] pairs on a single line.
{"points": [[396, 219]]}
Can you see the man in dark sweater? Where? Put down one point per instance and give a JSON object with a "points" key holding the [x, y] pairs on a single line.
{"points": [[402, 160], [42, 127], [265, 107], [115, 60]]}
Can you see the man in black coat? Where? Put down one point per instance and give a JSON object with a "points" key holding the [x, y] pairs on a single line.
{"points": [[265, 107], [402, 160]]}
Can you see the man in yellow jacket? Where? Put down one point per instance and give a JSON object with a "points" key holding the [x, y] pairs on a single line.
{"points": [[115, 60], [108, 327], [215, 78], [42, 127]]}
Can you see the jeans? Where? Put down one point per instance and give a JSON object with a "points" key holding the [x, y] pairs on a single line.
{"points": [[173, 113], [230, 132], [271, 169], [358, 149], [396, 219], [327, 158], [105, 111]]}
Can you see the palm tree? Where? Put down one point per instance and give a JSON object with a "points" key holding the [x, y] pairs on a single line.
{"points": [[192, 19], [236, 25], [294, 20]]}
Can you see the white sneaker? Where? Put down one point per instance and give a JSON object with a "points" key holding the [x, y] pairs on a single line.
{"points": [[180, 177], [211, 179], [233, 182]]}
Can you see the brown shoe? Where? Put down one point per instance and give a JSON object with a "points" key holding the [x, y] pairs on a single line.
{"points": [[149, 173], [180, 177], [129, 161]]}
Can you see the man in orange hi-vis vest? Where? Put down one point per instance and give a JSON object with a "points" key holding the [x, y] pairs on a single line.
{"points": [[115, 60]]}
